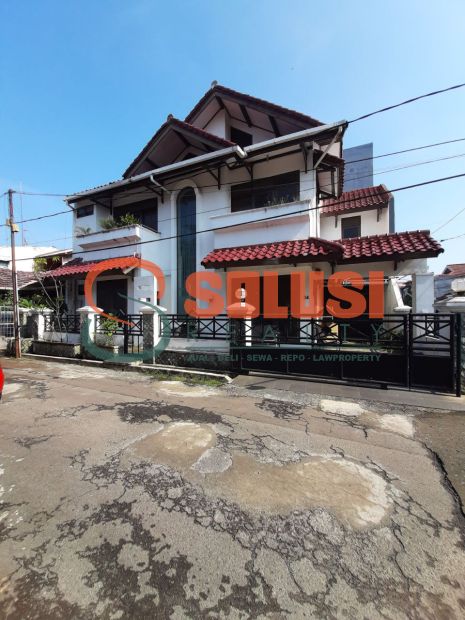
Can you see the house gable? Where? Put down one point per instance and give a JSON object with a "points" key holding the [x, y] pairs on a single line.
{"points": [[261, 118], [175, 141]]}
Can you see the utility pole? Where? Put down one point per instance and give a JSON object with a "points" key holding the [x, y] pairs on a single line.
{"points": [[14, 229]]}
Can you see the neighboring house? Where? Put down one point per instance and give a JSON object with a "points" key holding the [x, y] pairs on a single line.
{"points": [[240, 184], [443, 281], [25, 255], [28, 283], [25, 280]]}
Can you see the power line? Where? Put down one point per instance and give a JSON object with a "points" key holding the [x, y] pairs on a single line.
{"points": [[264, 219], [450, 220], [450, 238], [271, 185], [415, 148], [407, 101]]}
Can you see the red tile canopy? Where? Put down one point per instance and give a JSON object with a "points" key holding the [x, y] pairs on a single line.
{"points": [[357, 200], [279, 252], [78, 266], [394, 246]]}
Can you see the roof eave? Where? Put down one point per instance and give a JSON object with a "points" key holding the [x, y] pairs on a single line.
{"points": [[220, 155]]}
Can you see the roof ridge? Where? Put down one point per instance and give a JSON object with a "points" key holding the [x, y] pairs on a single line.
{"points": [[393, 234], [263, 102]]}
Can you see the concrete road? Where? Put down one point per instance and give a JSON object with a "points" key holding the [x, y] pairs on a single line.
{"points": [[126, 497]]}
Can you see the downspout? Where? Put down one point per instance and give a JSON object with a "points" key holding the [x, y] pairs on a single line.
{"points": [[162, 187]]}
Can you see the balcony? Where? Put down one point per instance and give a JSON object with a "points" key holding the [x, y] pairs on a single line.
{"points": [[135, 233], [280, 222]]}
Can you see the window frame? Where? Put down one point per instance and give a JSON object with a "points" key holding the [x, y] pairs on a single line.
{"points": [[257, 194], [133, 208], [345, 222], [84, 211]]}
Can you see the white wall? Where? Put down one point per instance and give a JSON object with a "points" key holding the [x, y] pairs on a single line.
{"points": [[331, 229], [24, 262]]}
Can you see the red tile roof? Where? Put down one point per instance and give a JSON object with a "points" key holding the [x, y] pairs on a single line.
{"points": [[376, 247], [398, 245], [78, 266], [254, 102], [175, 122], [455, 270], [357, 200], [24, 278], [280, 251]]}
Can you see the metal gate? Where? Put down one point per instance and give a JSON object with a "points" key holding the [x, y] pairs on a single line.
{"points": [[127, 336], [415, 351], [6, 321]]}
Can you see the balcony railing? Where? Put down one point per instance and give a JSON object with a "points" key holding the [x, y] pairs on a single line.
{"points": [[121, 235]]}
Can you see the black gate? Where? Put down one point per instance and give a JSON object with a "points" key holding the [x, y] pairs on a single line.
{"points": [[415, 351], [127, 335]]}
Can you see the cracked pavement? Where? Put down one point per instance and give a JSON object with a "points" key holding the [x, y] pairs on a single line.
{"points": [[127, 497]]}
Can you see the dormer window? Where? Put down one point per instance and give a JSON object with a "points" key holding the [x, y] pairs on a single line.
{"points": [[242, 138]]}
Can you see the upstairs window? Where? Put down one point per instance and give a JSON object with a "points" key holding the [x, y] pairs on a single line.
{"points": [[145, 211], [259, 193], [351, 227], [242, 138], [84, 211]]}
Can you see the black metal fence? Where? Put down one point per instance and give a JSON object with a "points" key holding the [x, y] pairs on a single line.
{"points": [[130, 332], [64, 323], [410, 350], [185, 326]]}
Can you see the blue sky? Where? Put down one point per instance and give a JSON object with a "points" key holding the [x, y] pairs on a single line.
{"points": [[85, 84]]}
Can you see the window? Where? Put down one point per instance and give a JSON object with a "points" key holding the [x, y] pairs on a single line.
{"points": [[186, 218], [351, 227], [242, 138], [84, 211], [259, 193], [146, 211]]}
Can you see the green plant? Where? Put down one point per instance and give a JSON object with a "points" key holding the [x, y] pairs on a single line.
{"points": [[108, 223], [109, 327], [128, 219], [37, 300], [80, 231]]}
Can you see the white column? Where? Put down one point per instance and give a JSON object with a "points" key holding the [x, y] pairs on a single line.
{"points": [[423, 293], [87, 314]]}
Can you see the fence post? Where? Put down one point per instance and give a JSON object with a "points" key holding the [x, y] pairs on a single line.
{"points": [[87, 325], [151, 333], [38, 323]]}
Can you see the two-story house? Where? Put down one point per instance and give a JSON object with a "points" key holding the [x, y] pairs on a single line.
{"points": [[239, 184]]}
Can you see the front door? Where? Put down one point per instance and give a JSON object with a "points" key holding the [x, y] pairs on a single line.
{"points": [[112, 296]]}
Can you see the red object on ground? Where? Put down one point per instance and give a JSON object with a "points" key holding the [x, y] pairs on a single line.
{"points": [[2, 381]]}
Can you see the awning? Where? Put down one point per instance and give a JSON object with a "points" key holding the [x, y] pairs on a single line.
{"points": [[394, 246], [78, 266]]}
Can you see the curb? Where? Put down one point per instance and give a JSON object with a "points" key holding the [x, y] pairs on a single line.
{"points": [[140, 368]]}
